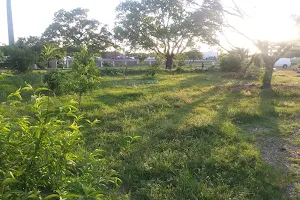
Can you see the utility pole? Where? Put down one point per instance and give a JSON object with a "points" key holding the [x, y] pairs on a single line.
{"points": [[11, 38]]}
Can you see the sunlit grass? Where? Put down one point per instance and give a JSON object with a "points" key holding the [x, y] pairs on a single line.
{"points": [[203, 136]]}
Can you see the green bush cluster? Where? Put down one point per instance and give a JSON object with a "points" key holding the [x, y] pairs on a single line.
{"points": [[81, 79], [1, 56], [42, 154], [153, 70], [107, 64], [230, 63], [20, 59], [115, 71]]}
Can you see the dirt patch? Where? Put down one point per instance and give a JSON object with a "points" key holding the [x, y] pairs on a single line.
{"points": [[274, 151]]}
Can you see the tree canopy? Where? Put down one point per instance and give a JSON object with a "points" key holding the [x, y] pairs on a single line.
{"points": [[32, 42], [74, 29], [193, 54], [168, 27]]}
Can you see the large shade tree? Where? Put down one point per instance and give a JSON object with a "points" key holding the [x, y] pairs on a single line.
{"points": [[168, 27], [270, 52], [74, 29]]}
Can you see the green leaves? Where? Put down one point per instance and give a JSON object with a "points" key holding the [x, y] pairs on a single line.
{"points": [[21, 59], [1, 56], [74, 29], [83, 77], [167, 26], [41, 153]]}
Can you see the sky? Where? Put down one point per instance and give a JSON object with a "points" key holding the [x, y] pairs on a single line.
{"points": [[264, 19]]}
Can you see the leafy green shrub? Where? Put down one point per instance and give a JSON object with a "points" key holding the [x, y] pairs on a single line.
{"points": [[230, 63], [236, 60], [153, 70], [42, 155], [179, 60], [83, 76], [107, 64], [54, 79], [1, 56], [5, 90], [179, 70], [21, 59], [81, 79], [10, 83]]}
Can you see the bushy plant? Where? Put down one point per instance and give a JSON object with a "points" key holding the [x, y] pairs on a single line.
{"points": [[55, 80], [179, 60], [83, 76], [81, 79], [160, 59], [230, 63], [1, 56], [153, 70], [50, 53], [21, 59], [107, 64], [42, 154], [235, 60]]}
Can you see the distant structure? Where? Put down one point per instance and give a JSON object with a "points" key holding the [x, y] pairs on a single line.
{"points": [[210, 55], [11, 38]]}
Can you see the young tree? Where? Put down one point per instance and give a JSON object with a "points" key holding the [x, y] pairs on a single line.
{"points": [[167, 27], [83, 77], [73, 28], [193, 55]]}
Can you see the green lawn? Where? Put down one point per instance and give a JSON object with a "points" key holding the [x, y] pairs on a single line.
{"points": [[202, 135]]}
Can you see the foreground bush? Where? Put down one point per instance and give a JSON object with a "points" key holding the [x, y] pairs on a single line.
{"points": [[42, 154]]}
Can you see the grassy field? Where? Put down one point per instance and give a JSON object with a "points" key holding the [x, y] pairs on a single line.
{"points": [[194, 135]]}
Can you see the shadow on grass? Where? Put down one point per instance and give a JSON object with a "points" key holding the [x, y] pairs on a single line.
{"points": [[270, 142], [201, 162], [112, 99]]}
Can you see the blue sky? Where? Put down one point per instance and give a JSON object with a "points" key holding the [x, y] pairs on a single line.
{"points": [[267, 19]]}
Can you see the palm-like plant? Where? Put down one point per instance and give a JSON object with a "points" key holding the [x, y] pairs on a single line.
{"points": [[49, 53], [10, 23]]}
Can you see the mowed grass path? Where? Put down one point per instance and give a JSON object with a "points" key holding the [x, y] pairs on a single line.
{"points": [[202, 136]]}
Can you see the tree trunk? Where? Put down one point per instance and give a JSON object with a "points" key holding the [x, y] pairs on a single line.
{"points": [[169, 62], [267, 79]]}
